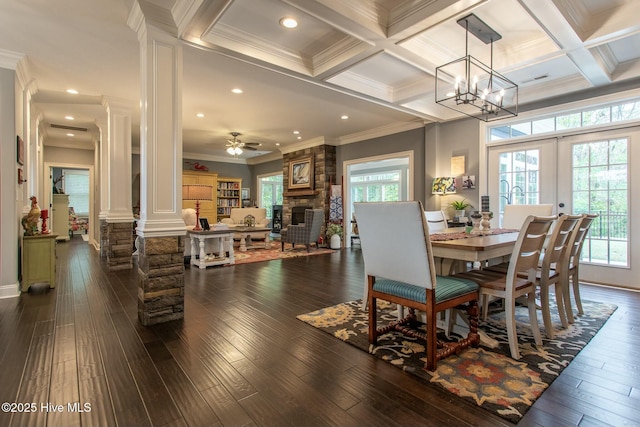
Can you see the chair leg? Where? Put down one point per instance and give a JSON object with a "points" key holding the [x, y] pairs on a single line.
{"points": [[566, 295], [282, 245], [560, 300], [485, 306], [510, 320], [373, 331], [546, 314], [450, 318], [576, 292], [432, 337], [533, 317], [365, 296]]}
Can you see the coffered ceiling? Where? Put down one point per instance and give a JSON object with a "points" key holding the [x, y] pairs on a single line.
{"points": [[372, 60]]}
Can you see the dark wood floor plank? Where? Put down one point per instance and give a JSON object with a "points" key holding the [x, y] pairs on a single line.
{"points": [[240, 357], [226, 407], [64, 391], [37, 375]]}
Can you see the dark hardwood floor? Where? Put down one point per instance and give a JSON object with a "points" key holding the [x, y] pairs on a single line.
{"points": [[240, 357]]}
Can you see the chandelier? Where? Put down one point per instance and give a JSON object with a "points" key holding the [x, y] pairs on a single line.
{"points": [[470, 87]]}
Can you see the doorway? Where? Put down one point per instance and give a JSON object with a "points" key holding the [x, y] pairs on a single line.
{"points": [[80, 186]]}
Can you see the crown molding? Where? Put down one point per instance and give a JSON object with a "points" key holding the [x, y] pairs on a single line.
{"points": [[379, 132], [240, 41], [274, 155], [212, 158], [9, 59]]}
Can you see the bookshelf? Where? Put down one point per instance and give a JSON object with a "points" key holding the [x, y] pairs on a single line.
{"points": [[228, 195], [207, 207]]}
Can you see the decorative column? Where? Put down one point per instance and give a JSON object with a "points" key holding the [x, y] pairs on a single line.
{"points": [[119, 222], [11, 211], [103, 173], [160, 229]]}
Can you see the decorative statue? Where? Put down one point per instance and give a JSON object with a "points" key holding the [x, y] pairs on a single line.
{"points": [[197, 166], [30, 220]]}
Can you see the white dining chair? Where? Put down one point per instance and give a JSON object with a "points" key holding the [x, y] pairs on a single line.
{"points": [[437, 221], [510, 286], [514, 215]]}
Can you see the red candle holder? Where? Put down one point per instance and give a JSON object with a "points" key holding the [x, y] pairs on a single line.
{"points": [[44, 214]]}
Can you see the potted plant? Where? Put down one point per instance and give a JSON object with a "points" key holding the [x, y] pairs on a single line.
{"points": [[334, 234], [459, 206]]}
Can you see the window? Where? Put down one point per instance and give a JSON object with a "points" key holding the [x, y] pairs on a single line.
{"points": [[76, 185], [270, 190], [376, 187], [600, 185], [519, 178], [593, 116]]}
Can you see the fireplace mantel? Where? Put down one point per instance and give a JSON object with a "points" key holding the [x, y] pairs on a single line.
{"points": [[300, 193]]}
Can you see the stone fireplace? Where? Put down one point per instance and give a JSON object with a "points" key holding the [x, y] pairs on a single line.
{"points": [[317, 197]]}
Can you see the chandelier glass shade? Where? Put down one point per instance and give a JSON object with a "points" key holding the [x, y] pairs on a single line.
{"points": [[470, 87], [234, 151]]}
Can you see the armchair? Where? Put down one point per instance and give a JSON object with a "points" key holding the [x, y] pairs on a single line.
{"points": [[306, 233], [77, 223]]}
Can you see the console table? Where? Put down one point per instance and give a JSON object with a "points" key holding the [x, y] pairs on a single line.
{"points": [[222, 239], [38, 260]]}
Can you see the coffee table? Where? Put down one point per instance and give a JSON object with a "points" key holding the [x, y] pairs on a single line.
{"points": [[247, 234]]}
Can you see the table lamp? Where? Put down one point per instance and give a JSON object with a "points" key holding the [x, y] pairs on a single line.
{"points": [[197, 192]]}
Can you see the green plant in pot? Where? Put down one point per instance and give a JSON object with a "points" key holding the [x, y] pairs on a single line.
{"points": [[460, 206], [334, 230]]}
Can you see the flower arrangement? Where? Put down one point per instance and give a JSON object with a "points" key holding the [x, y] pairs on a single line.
{"points": [[333, 228]]}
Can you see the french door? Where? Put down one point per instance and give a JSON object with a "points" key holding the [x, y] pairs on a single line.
{"points": [[598, 177], [579, 174]]}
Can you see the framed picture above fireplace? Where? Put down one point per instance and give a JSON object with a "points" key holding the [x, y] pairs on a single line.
{"points": [[301, 173]]}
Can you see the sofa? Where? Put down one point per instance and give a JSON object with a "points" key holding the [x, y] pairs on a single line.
{"points": [[239, 214]]}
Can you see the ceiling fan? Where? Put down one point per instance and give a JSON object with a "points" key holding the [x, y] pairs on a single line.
{"points": [[235, 146]]}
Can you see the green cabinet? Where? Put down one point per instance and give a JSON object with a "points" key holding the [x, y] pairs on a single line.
{"points": [[38, 260]]}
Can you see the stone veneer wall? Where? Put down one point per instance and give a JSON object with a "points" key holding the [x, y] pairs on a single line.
{"points": [[161, 279], [324, 175], [116, 243]]}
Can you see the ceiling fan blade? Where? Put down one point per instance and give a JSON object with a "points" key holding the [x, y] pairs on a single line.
{"points": [[247, 147], [257, 144]]}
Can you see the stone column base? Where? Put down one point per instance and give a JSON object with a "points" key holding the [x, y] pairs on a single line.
{"points": [[119, 245], [161, 279]]}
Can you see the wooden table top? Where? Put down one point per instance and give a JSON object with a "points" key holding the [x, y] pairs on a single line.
{"points": [[480, 242]]}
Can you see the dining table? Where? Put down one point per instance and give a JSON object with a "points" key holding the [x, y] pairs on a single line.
{"points": [[452, 249]]}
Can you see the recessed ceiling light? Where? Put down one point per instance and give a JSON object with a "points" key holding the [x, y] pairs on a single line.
{"points": [[288, 22], [344, 117], [201, 115], [277, 144], [72, 91], [299, 137], [296, 132], [69, 117], [236, 90], [70, 134]]}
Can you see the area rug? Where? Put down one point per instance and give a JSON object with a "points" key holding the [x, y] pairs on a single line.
{"points": [[275, 252], [489, 378]]}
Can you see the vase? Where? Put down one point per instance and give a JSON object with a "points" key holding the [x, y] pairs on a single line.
{"points": [[334, 242]]}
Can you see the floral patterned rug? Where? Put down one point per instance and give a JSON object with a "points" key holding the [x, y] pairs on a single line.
{"points": [[490, 378], [275, 252]]}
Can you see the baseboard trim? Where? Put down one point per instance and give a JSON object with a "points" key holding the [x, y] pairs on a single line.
{"points": [[9, 291]]}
